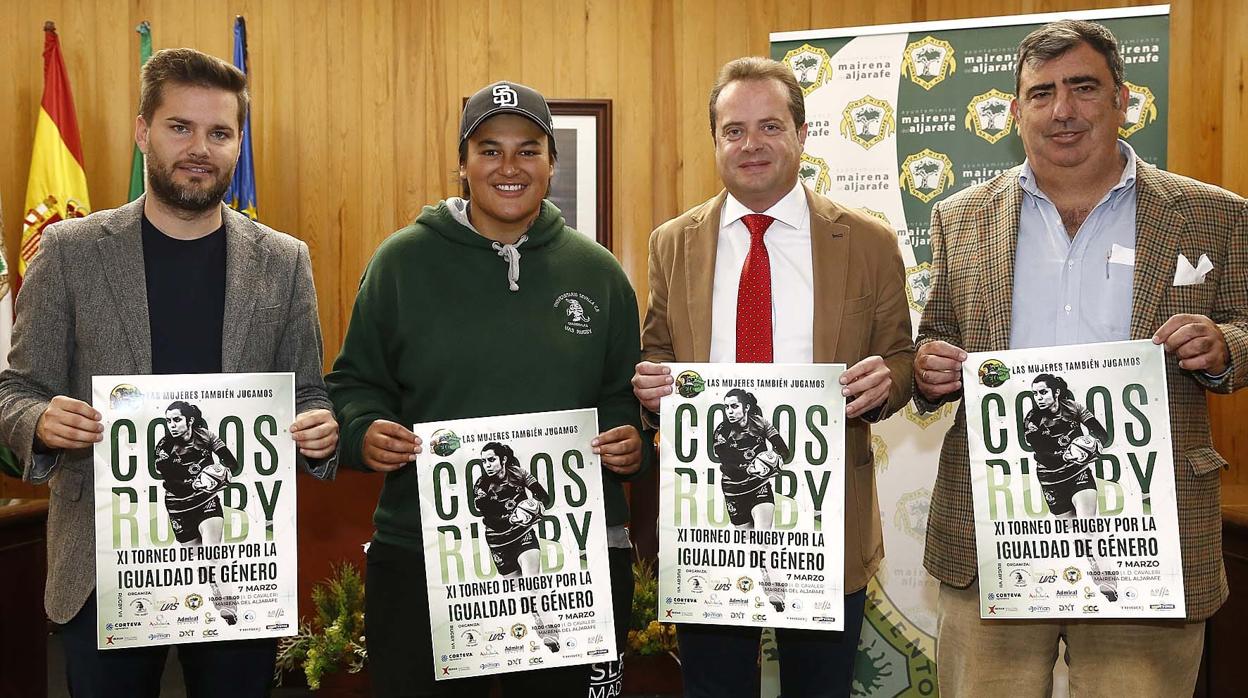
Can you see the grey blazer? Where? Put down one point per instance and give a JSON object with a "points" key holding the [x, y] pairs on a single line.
{"points": [[82, 312]]}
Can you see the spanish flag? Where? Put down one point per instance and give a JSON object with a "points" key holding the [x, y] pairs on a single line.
{"points": [[57, 188]]}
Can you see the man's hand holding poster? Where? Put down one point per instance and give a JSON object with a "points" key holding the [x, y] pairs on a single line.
{"points": [[515, 543], [1073, 481], [752, 490], [195, 508]]}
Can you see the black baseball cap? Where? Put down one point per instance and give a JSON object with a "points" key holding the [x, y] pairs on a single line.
{"points": [[506, 98]]}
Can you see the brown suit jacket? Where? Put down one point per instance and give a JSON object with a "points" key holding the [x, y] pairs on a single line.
{"points": [[974, 235], [860, 311]]}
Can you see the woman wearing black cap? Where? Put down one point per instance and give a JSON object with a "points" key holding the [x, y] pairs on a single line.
{"points": [[486, 304]]}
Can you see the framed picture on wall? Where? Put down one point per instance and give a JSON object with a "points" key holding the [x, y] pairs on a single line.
{"points": [[582, 184]]}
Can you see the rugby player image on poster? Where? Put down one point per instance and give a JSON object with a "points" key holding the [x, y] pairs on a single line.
{"points": [[511, 502], [194, 465], [751, 491], [1073, 481], [515, 543], [1067, 439], [750, 452], [195, 508]]}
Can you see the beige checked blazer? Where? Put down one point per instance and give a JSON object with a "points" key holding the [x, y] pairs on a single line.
{"points": [[860, 311], [974, 236]]}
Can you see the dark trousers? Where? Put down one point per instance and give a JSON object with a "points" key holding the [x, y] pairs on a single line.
{"points": [[400, 651], [228, 669], [720, 661]]}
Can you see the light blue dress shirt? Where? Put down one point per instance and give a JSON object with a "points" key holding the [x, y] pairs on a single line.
{"points": [[1074, 290]]}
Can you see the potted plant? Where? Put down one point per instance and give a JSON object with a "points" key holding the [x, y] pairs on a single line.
{"points": [[652, 666], [333, 640]]}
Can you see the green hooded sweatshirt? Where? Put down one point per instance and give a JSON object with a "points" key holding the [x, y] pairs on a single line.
{"points": [[449, 325]]}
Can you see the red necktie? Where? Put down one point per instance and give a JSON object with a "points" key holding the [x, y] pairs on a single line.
{"points": [[754, 296]]}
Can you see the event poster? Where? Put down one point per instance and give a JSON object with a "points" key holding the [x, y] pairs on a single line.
{"points": [[902, 117], [1073, 480], [195, 508], [752, 496], [515, 543]]}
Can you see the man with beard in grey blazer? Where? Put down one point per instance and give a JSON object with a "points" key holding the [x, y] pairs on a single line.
{"points": [[174, 282]]}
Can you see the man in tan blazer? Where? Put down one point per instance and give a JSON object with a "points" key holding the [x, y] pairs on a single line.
{"points": [[173, 282], [1026, 260], [836, 285]]}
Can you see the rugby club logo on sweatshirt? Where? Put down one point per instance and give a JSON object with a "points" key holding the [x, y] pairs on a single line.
{"points": [[577, 311]]}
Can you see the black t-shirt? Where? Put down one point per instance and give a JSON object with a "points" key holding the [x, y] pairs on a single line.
{"points": [[185, 300]]}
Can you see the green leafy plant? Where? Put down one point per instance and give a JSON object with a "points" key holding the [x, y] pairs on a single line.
{"points": [[646, 635], [334, 638]]}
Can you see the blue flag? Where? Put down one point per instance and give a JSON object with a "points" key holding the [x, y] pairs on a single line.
{"points": [[241, 196]]}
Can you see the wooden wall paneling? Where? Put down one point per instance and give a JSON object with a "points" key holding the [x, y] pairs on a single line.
{"points": [[600, 55], [411, 75], [379, 116], [931, 10], [448, 57], [603, 47], [793, 16], [475, 25], [762, 18], [1235, 100], [14, 92], [348, 126], [1234, 174], [276, 86], [420, 80], [106, 43], [213, 31], [569, 25], [733, 34], [635, 130], [538, 33], [828, 15], [696, 66], [506, 41], [1195, 147], [311, 163], [665, 135]]}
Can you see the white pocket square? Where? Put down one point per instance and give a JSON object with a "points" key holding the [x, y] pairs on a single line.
{"points": [[1187, 275]]}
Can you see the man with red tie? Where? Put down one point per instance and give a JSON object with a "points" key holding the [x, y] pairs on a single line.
{"points": [[768, 271]]}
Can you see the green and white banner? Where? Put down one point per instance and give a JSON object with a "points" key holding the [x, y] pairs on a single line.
{"points": [[1073, 481], [752, 496], [515, 543], [195, 508], [901, 117]]}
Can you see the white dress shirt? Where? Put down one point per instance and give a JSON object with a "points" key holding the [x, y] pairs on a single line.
{"points": [[792, 279]]}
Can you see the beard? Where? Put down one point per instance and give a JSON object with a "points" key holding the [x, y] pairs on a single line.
{"points": [[191, 198]]}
